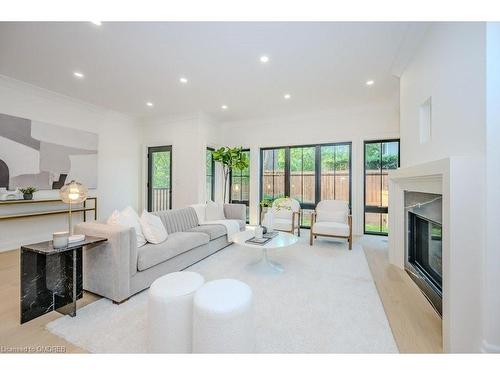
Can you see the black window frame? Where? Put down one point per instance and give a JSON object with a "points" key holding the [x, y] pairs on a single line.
{"points": [[211, 175], [152, 150], [317, 172], [375, 209]]}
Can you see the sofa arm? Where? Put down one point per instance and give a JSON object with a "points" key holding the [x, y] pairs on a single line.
{"points": [[109, 266], [235, 211]]}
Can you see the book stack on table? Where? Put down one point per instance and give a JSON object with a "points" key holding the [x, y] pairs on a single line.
{"points": [[262, 241]]}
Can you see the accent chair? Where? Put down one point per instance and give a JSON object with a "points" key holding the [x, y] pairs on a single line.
{"points": [[286, 214], [332, 219]]}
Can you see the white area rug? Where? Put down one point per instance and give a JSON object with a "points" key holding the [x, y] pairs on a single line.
{"points": [[324, 302]]}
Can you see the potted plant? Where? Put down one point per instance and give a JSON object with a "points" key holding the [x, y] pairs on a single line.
{"points": [[230, 158], [28, 192]]}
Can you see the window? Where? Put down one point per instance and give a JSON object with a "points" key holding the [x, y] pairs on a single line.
{"points": [[273, 173], [159, 178], [380, 157], [239, 189], [307, 173], [336, 172], [210, 178]]}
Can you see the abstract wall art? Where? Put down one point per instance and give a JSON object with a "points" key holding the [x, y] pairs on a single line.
{"points": [[45, 156]]}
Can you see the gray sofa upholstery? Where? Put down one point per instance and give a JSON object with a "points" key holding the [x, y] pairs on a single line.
{"points": [[117, 269]]}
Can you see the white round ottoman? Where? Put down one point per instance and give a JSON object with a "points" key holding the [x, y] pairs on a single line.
{"points": [[170, 312], [223, 319]]}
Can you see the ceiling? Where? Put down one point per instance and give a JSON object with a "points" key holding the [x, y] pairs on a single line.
{"points": [[126, 64]]}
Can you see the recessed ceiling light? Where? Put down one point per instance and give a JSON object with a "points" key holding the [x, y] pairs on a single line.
{"points": [[370, 82], [223, 107], [78, 75], [97, 23], [149, 104], [183, 80], [264, 59], [287, 96]]}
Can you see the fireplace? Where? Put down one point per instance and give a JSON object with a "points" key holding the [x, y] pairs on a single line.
{"points": [[424, 244]]}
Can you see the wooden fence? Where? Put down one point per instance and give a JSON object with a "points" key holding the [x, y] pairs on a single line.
{"points": [[332, 187]]}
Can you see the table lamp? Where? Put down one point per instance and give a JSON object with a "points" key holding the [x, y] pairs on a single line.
{"points": [[73, 193]]}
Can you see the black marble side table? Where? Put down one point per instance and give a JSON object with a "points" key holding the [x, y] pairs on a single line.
{"points": [[51, 279]]}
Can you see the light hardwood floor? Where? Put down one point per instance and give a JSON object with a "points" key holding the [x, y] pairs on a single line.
{"points": [[416, 326], [31, 334]]}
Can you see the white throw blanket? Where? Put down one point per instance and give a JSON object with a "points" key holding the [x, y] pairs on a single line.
{"points": [[232, 227]]}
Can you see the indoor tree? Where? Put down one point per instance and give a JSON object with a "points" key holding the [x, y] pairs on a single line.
{"points": [[230, 158]]}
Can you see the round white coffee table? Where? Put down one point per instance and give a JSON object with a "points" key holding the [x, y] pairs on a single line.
{"points": [[265, 264]]}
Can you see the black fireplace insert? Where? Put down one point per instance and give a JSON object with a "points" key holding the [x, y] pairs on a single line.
{"points": [[424, 261]]}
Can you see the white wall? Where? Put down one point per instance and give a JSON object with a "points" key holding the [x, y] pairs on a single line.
{"points": [[189, 138], [491, 263], [378, 121], [449, 66], [118, 155]]}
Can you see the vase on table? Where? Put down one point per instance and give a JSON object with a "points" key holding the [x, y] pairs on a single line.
{"points": [[270, 221]]}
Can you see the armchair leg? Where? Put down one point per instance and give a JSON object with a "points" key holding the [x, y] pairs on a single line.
{"points": [[350, 242], [298, 231], [311, 239]]}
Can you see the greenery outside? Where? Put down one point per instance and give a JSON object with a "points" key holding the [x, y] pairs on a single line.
{"points": [[161, 170]]}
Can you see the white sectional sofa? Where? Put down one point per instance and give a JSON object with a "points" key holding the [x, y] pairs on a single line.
{"points": [[118, 269]]}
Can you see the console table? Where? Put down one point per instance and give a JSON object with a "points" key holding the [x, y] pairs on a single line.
{"points": [[84, 209], [51, 279]]}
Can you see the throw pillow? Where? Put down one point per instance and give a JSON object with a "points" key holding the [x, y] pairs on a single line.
{"points": [[153, 228], [113, 219], [128, 218], [214, 211], [200, 212]]}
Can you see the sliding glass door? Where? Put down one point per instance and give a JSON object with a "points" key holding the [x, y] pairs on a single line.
{"points": [[159, 178], [307, 173], [380, 157]]}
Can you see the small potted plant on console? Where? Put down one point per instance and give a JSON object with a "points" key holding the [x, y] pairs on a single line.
{"points": [[28, 192]]}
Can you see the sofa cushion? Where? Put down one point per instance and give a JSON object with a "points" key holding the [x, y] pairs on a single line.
{"points": [[176, 243], [178, 220], [213, 230]]}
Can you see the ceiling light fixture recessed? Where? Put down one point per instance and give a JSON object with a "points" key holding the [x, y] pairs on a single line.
{"points": [[370, 82], [78, 75], [223, 107], [264, 59], [97, 23], [183, 80], [287, 96], [149, 104]]}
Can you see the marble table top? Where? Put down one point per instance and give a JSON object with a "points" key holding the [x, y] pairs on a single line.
{"points": [[47, 248]]}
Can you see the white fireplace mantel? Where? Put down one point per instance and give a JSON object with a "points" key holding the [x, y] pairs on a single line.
{"points": [[463, 217]]}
